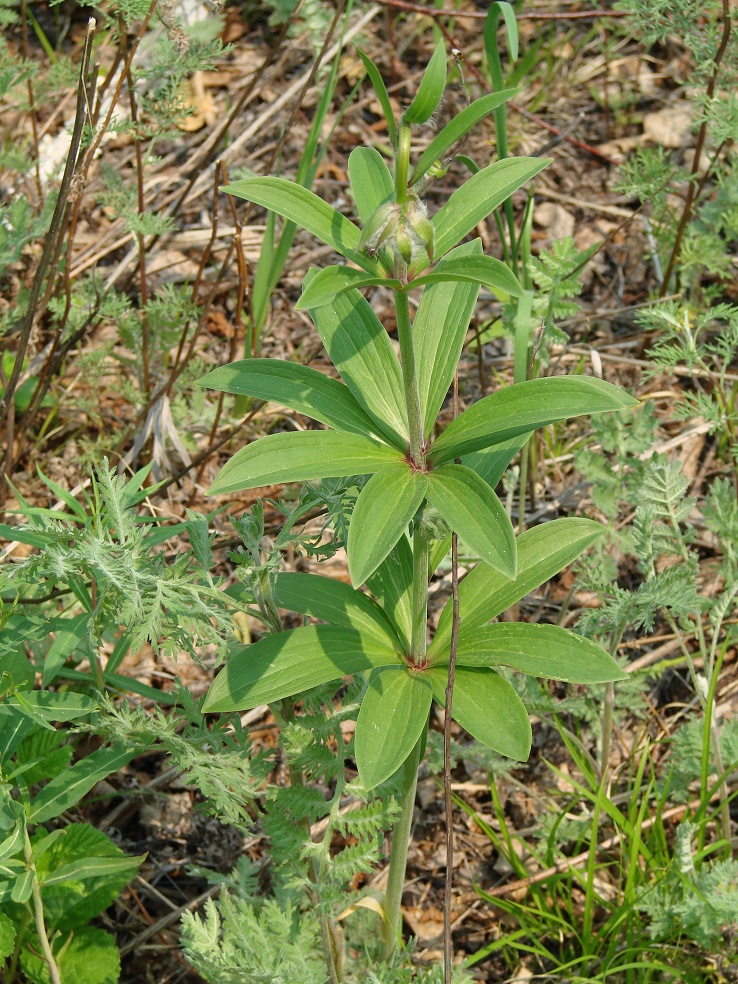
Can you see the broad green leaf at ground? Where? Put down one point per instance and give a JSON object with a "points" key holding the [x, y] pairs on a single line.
{"points": [[541, 650], [294, 202], [298, 387], [394, 711], [385, 506], [334, 602], [479, 196], [371, 181], [286, 663], [524, 407], [472, 510], [488, 708], [359, 347], [439, 330], [542, 552], [302, 456]]}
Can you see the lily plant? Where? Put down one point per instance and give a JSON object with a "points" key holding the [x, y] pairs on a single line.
{"points": [[380, 420]]}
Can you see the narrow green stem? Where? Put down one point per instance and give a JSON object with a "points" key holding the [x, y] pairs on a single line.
{"points": [[38, 913], [392, 924], [402, 163], [419, 638], [409, 377]]}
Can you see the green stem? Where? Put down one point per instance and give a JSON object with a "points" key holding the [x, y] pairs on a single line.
{"points": [[392, 924], [409, 377], [38, 912], [402, 163], [419, 638]]}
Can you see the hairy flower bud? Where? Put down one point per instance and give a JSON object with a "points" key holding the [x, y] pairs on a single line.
{"points": [[422, 230], [380, 227]]}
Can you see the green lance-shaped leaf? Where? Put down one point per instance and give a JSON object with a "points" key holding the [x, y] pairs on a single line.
{"points": [[381, 90], [44, 705], [359, 347], [522, 408], [394, 711], [542, 552], [332, 280], [295, 386], [439, 330], [491, 463], [392, 586], [334, 602], [488, 708], [484, 270], [472, 510], [287, 663], [381, 515], [479, 196], [86, 868], [302, 456], [540, 650], [301, 206], [68, 788], [458, 128], [430, 90], [371, 181]]}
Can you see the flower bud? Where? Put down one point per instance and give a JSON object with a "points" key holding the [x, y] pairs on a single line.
{"points": [[404, 242], [379, 227], [423, 231]]}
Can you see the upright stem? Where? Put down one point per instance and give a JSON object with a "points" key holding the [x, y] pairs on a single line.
{"points": [[419, 636], [392, 924], [402, 163], [38, 912], [409, 377]]}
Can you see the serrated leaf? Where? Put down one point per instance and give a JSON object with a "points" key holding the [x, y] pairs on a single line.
{"points": [[286, 663], [524, 407], [381, 90], [334, 602], [87, 956], [302, 456], [439, 330], [541, 650], [542, 552], [298, 387], [392, 585], [327, 283], [479, 196], [301, 206], [81, 875], [70, 786], [394, 711], [7, 937], [430, 90], [484, 270], [472, 510], [457, 128], [488, 708], [359, 347], [381, 515], [371, 181]]}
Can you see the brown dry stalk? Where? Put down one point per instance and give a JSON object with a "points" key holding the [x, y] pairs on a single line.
{"points": [[7, 403], [693, 186]]}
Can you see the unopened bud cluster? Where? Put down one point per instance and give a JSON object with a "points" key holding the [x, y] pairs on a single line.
{"points": [[404, 230]]}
